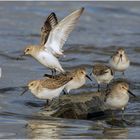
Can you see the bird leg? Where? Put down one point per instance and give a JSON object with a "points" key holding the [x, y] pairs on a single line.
{"points": [[98, 87], [54, 71], [64, 92], [107, 86], [46, 104], [113, 116], [123, 118], [123, 73]]}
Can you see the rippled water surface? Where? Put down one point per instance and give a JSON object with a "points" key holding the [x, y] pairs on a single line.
{"points": [[103, 27]]}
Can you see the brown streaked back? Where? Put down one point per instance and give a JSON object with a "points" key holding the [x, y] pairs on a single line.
{"points": [[68, 74], [52, 83], [100, 69]]}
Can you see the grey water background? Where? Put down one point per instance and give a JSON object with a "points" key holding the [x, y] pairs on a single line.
{"points": [[102, 28]]}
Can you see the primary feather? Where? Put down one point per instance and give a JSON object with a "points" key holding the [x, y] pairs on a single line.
{"points": [[49, 24], [61, 31]]}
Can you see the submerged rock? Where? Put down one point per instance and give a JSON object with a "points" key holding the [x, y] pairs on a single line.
{"points": [[77, 106]]}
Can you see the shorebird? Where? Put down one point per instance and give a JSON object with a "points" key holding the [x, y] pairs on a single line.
{"points": [[78, 78], [102, 74], [53, 37], [117, 96], [47, 89], [119, 61]]}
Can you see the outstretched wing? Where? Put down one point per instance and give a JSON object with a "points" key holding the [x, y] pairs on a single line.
{"points": [[61, 31], [49, 24]]}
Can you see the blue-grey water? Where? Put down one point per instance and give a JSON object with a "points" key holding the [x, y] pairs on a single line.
{"points": [[103, 27]]}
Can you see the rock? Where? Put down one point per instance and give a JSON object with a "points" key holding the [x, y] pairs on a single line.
{"points": [[77, 106]]}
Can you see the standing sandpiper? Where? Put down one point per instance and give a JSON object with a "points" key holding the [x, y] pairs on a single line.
{"points": [[47, 88], [78, 78], [119, 61], [117, 96], [55, 37], [102, 74]]}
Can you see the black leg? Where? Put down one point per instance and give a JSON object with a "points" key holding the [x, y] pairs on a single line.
{"points": [[123, 73], [107, 86], [64, 92], [123, 114], [113, 116], [113, 119], [123, 118], [98, 87], [54, 71], [47, 102]]}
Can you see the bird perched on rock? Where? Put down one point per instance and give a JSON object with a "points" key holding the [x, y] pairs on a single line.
{"points": [[117, 96], [47, 89], [78, 78]]}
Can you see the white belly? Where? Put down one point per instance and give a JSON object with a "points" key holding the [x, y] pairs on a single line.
{"points": [[48, 93], [121, 66], [49, 60], [106, 78], [117, 102], [74, 84]]}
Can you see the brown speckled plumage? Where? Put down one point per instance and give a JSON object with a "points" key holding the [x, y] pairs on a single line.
{"points": [[52, 83], [101, 69], [68, 74]]}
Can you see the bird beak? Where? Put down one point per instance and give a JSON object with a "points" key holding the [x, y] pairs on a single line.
{"points": [[121, 57], [48, 76], [88, 77], [20, 57], [131, 93], [26, 89]]}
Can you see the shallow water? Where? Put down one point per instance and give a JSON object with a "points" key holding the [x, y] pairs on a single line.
{"points": [[103, 27]]}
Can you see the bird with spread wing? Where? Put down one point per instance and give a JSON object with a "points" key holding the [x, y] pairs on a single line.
{"points": [[53, 36]]}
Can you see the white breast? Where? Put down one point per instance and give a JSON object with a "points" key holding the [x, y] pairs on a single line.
{"points": [[121, 66], [118, 102], [75, 84], [49, 60], [105, 78], [48, 93]]}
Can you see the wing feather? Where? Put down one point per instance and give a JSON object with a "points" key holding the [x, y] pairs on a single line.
{"points": [[49, 24], [52, 83], [60, 33]]}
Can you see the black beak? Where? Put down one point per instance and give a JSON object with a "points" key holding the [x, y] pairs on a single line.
{"points": [[131, 93], [121, 57], [26, 89], [47, 75], [88, 77], [20, 57]]}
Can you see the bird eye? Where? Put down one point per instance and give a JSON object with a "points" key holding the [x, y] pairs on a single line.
{"points": [[32, 84], [27, 50]]}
